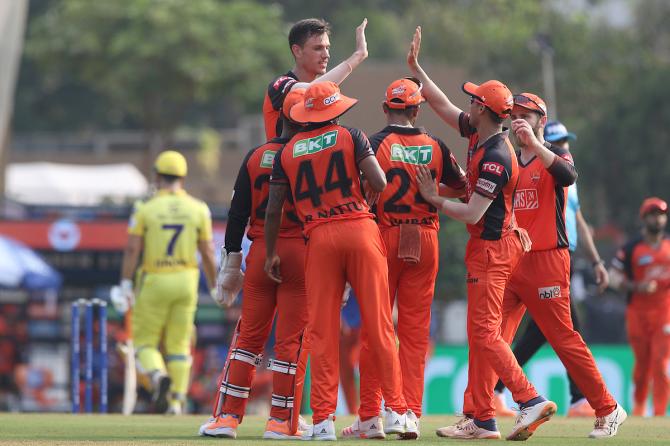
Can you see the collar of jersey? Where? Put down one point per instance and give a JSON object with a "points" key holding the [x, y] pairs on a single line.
{"points": [[493, 140], [162, 192], [404, 130]]}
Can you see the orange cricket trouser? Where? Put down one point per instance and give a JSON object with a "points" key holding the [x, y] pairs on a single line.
{"points": [[261, 298], [541, 283], [649, 336], [412, 286], [337, 252], [490, 264]]}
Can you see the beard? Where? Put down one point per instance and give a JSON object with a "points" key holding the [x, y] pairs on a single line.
{"points": [[653, 229]]}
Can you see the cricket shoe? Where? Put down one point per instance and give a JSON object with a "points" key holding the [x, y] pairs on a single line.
{"points": [[175, 408], [448, 431], [530, 418], [412, 429], [276, 429], [608, 425], [371, 428], [223, 426], [395, 423], [501, 406], [161, 387], [466, 429], [581, 408], [323, 431], [302, 424]]}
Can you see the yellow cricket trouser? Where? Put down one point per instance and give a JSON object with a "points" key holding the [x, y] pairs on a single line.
{"points": [[165, 306]]}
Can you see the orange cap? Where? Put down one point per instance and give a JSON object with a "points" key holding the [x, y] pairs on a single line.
{"points": [[403, 93], [653, 204], [295, 96], [323, 102], [531, 102], [493, 94]]}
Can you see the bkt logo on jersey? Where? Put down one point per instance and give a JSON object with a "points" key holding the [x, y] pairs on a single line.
{"points": [[525, 199], [314, 145], [549, 292], [494, 168], [268, 158], [412, 154]]}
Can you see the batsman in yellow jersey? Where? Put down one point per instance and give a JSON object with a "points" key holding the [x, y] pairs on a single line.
{"points": [[167, 231]]}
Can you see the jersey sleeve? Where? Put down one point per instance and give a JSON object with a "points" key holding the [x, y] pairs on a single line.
{"points": [[278, 174], [452, 174], [495, 170], [240, 208], [376, 140], [623, 260], [205, 230], [563, 168], [137, 224], [464, 125], [362, 148], [278, 88]]}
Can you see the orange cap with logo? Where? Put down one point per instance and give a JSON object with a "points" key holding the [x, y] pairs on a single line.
{"points": [[531, 102], [295, 96], [322, 102], [403, 93], [653, 204], [492, 94]]}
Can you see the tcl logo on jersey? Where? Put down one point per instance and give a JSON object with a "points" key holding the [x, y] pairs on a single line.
{"points": [[549, 292], [494, 168], [412, 154], [315, 144], [268, 158], [525, 199], [279, 80]]}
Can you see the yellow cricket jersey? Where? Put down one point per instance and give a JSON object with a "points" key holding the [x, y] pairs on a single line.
{"points": [[171, 225]]}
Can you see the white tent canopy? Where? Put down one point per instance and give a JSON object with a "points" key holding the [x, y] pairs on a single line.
{"points": [[72, 184]]}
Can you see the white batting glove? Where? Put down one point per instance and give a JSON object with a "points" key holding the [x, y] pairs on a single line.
{"points": [[122, 296], [230, 278]]}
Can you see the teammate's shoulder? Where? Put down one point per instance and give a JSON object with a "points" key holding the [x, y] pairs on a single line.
{"points": [[279, 83], [632, 242]]}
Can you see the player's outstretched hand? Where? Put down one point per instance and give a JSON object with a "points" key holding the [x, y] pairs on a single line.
{"points": [[414, 49], [524, 132], [361, 42], [426, 183], [272, 268]]}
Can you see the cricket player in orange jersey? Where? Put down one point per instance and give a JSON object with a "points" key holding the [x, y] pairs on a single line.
{"points": [[320, 166], [409, 227], [310, 46], [495, 247], [263, 298], [642, 269]]}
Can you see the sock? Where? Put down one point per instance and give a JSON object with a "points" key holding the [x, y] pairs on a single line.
{"points": [[531, 402], [489, 425]]}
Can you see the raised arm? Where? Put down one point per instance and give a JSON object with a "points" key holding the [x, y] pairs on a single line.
{"points": [[438, 101]]}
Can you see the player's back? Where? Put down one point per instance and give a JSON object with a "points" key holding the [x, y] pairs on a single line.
{"points": [[171, 224]]}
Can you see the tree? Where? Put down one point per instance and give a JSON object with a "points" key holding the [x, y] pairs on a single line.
{"points": [[152, 60]]}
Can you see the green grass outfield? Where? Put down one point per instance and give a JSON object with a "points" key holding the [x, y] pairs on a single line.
{"points": [[62, 429]]}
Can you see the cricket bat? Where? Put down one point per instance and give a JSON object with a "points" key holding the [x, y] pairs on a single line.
{"points": [[130, 372]]}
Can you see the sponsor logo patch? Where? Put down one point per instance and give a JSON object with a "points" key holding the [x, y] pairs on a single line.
{"points": [[316, 144], [494, 168], [279, 80], [525, 199], [549, 292], [417, 155], [645, 260], [486, 185], [268, 158]]}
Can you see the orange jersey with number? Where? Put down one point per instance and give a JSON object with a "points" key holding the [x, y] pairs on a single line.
{"points": [[399, 150], [320, 164], [274, 98], [539, 203]]}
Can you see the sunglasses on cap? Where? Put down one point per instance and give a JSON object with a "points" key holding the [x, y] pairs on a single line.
{"points": [[526, 102]]}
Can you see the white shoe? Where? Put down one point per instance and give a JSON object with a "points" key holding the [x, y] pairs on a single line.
{"points": [[302, 424], [608, 425], [448, 431], [412, 427], [201, 431], [530, 418], [468, 430], [394, 423], [323, 431], [372, 428]]}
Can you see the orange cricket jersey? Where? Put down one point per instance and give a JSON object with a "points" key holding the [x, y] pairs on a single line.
{"points": [[399, 150], [320, 164], [539, 203], [492, 171], [642, 262], [274, 98]]}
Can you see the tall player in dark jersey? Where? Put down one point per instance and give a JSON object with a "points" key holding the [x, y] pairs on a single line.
{"points": [[493, 251], [309, 43]]}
